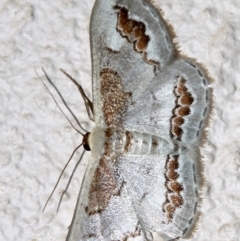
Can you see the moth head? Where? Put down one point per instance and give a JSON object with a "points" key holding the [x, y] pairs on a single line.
{"points": [[85, 142]]}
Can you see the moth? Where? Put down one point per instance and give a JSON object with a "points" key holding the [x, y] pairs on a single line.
{"points": [[150, 108]]}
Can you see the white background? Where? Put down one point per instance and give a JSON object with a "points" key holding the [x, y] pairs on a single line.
{"points": [[36, 139]]}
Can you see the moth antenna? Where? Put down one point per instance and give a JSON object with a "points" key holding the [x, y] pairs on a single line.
{"points": [[61, 176], [69, 181], [56, 101], [87, 101], [64, 102]]}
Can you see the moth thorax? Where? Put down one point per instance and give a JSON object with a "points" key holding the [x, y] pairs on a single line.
{"points": [[96, 141]]}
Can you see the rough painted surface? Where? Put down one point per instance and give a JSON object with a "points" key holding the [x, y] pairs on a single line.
{"points": [[36, 139]]}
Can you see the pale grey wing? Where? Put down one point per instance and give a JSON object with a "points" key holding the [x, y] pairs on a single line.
{"points": [[130, 40], [175, 105], [164, 191], [130, 198], [104, 210]]}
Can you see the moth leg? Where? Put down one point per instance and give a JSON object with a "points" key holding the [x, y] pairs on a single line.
{"points": [[87, 101]]}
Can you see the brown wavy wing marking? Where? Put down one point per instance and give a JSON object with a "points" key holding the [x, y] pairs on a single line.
{"points": [[129, 141], [114, 99], [134, 31], [184, 99], [174, 199], [130, 235], [103, 187]]}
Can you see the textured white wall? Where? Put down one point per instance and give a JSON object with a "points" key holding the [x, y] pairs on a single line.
{"points": [[36, 139]]}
